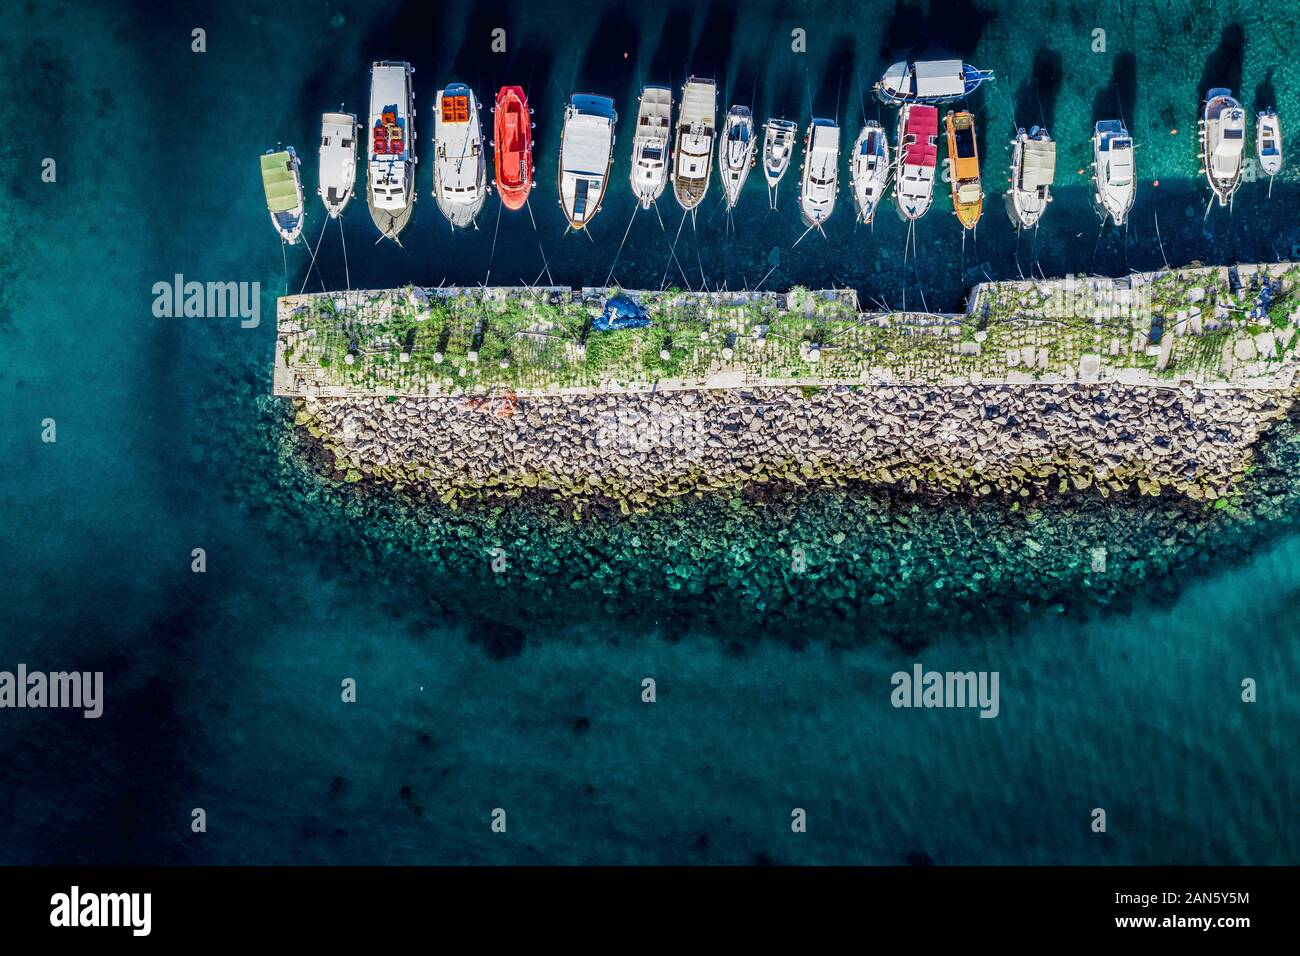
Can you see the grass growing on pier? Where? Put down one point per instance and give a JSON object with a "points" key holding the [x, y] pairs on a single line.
{"points": [[416, 341]]}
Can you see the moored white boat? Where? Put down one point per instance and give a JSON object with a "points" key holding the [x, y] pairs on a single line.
{"points": [[779, 136], [1268, 141], [916, 154], [338, 161], [693, 154], [1223, 139], [1268, 144], [390, 166], [1033, 166], [650, 147], [1114, 179], [736, 155], [283, 188], [586, 154], [929, 81], [870, 170], [821, 172], [459, 160]]}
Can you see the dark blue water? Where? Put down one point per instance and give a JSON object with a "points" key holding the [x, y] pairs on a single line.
{"points": [[522, 690]]}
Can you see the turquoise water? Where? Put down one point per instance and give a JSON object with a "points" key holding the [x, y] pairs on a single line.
{"points": [[521, 690]]}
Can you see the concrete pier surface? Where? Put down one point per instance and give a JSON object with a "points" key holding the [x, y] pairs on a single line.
{"points": [[1205, 327]]}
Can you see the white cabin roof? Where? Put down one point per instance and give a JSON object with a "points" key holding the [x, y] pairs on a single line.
{"points": [[587, 144]]}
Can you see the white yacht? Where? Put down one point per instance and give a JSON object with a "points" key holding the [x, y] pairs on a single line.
{"points": [[459, 160], [916, 153], [779, 137], [586, 154], [1033, 166], [870, 170], [1114, 180], [390, 166], [1223, 140], [696, 126], [736, 155], [283, 188], [821, 172], [338, 161], [650, 149]]}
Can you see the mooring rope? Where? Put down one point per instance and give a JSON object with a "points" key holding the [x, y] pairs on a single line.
{"points": [[342, 238], [631, 219], [496, 230], [313, 255]]}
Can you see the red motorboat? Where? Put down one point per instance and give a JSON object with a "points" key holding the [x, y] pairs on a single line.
{"points": [[513, 146]]}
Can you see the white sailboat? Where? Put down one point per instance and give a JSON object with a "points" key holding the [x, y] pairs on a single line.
{"points": [[1268, 144], [916, 153], [737, 153], [283, 188], [338, 161], [586, 154], [1114, 179], [1033, 166], [821, 172], [696, 125], [390, 167], [650, 148], [779, 137], [1223, 139], [459, 162], [870, 170]]}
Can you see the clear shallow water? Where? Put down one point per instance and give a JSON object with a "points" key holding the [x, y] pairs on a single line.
{"points": [[1118, 691]]}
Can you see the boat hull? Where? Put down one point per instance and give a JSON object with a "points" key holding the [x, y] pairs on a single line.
{"points": [[459, 160], [338, 162], [587, 119], [778, 149], [1222, 135], [870, 171], [391, 218], [693, 148], [915, 161], [963, 152], [512, 151], [735, 158], [1113, 199], [651, 145]]}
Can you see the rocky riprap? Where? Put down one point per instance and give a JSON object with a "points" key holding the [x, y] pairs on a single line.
{"points": [[1019, 440]]}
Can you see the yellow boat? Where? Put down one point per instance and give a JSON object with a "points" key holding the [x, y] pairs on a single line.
{"points": [[967, 194]]}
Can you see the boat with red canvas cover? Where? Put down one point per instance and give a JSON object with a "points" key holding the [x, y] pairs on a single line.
{"points": [[512, 146]]}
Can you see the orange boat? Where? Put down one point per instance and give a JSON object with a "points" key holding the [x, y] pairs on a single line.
{"points": [[512, 146]]}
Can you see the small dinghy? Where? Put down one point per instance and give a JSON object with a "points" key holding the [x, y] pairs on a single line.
{"points": [[692, 158], [338, 161], [460, 163], [586, 154], [779, 137], [821, 172], [929, 81], [916, 154], [650, 149], [1268, 144], [1033, 165], [870, 170], [1223, 139], [1113, 174], [512, 146], [737, 153], [390, 168], [963, 151], [283, 188]]}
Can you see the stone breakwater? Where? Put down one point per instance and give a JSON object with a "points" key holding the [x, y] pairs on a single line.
{"points": [[977, 440]]}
